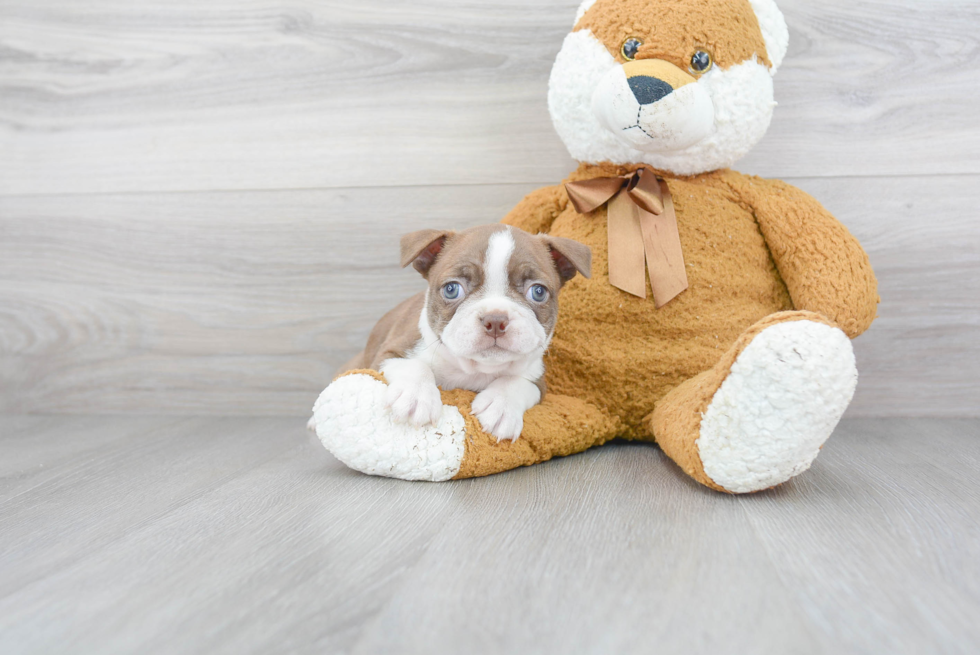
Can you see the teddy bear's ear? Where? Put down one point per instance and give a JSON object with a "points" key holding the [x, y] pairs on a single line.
{"points": [[775, 33], [570, 257], [421, 248]]}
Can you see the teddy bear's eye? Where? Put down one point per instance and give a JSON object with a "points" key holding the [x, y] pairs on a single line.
{"points": [[701, 61], [631, 46]]}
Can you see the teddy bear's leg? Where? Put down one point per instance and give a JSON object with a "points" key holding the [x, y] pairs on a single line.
{"points": [[762, 413], [354, 424]]}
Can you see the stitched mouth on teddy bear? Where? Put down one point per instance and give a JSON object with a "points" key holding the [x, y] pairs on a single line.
{"points": [[653, 109]]}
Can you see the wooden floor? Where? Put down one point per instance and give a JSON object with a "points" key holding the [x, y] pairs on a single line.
{"points": [[207, 535]]}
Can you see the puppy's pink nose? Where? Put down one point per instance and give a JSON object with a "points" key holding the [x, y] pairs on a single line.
{"points": [[495, 324]]}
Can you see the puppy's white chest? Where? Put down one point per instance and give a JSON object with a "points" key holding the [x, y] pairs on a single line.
{"points": [[452, 372]]}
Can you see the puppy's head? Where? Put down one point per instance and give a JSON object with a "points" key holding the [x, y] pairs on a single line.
{"points": [[493, 290]]}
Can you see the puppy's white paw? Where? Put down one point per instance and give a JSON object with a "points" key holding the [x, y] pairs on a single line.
{"points": [[498, 414], [311, 424], [412, 395], [416, 404]]}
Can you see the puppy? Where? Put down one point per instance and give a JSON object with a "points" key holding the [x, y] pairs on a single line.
{"points": [[483, 324]]}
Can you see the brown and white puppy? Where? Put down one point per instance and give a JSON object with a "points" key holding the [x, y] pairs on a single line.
{"points": [[483, 324]]}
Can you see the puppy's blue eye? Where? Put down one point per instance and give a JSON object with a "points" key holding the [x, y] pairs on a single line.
{"points": [[537, 293], [452, 291]]}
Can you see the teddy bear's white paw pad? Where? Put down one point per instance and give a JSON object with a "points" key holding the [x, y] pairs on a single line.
{"points": [[354, 423], [782, 399]]}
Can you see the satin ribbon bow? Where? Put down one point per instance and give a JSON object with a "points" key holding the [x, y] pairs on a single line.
{"points": [[642, 226]]}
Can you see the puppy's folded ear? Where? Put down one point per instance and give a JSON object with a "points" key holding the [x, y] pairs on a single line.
{"points": [[421, 248], [570, 257]]}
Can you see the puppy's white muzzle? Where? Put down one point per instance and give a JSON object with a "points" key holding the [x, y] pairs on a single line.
{"points": [[650, 115], [466, 335]]}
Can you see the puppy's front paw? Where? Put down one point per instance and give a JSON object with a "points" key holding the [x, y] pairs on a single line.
{"points": [[417, 404], [498, 414]]}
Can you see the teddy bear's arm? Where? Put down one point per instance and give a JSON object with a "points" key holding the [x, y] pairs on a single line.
{"points": [[538, 210], [824, 267]]}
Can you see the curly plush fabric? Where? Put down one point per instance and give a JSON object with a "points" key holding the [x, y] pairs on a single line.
{"points": [[674, 31], [621, 353]]}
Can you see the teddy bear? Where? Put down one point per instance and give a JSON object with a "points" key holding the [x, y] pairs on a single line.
{"points": [[719, 316]]}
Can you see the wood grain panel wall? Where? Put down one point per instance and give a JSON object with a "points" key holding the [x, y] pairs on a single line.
{"points": [[200, 202]]}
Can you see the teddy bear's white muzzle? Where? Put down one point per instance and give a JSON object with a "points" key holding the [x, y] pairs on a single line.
{"points": [[650, 115]]}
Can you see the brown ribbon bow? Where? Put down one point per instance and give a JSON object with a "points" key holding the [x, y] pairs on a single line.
{"points": [[642, 225]]}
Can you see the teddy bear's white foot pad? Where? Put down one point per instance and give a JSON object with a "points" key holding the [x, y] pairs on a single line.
{"points": [[354, 424], [782, 399]]}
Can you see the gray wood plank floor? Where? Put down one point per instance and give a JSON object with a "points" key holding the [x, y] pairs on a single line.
{"points": [[210, 535]]}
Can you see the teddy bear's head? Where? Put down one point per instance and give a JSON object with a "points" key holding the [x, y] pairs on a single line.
{"points": [[682, 85]]}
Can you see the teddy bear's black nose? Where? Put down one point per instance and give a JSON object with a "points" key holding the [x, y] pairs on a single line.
{"points": [[648, 90]]}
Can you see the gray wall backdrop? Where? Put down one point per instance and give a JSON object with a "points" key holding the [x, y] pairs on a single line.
{"points": [[200, 201]]}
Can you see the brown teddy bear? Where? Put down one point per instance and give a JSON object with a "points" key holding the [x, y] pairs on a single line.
{"points": [[718, 319]]}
